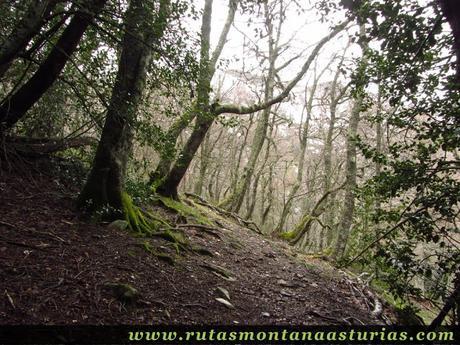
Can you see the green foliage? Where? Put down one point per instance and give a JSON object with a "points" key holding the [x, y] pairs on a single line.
{"points": [[417, 194]]}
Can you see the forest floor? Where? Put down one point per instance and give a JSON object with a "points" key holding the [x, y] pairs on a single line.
{"points": [[58, 268]]}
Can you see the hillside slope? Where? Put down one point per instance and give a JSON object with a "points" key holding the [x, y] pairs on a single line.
{"points": [[57, 268]]}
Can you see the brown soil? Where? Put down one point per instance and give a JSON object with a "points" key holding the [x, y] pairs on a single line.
{"points": [[55, 267]]}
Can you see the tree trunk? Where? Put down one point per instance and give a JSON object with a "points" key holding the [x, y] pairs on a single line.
{"points": [[204, 118], [346, 219], [205, 114], [204, 163], [336, 95], [303, 228], [236, 199], [235, 172], [104, 187], [252, 204], [451, 10], [167, 156], [449, 304], [24, 31], [303, 136], [269, 197], [14, 108]]}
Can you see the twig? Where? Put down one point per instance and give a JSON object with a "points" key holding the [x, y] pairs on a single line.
{"points": [[7, 224], [10, 299], [314, 313], [18, 244], [194, 305]]}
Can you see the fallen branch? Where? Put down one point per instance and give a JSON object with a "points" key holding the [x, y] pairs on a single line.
{"points": [[36, 147], [208, 229], [18, 244]]}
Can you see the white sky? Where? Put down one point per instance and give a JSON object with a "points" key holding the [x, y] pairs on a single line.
{"points": [[306, 29]]}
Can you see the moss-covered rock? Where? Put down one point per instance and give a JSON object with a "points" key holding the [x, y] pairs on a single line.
{"points": [[124, 292]]}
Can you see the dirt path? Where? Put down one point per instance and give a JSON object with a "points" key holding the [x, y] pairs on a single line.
{"points": [[59, 269]]}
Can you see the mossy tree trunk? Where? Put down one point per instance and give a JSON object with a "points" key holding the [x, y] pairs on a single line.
{"points": [[168, 154], [236, 169], [304, 226], [205, 152], [105, 183], [15, 106]]}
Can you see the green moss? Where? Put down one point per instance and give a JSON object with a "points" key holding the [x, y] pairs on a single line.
{"points": [[176, 238], [139, 220], [144, 223], [288, 236], [124, 292], [202, 250], [185, 210], [161, 256], [134, 216]]}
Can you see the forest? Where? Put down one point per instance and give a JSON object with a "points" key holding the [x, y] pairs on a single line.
{"points": [[230, 161]]}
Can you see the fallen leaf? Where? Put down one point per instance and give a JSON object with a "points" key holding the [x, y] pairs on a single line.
{"points": [[224, 292], [225, 302]]}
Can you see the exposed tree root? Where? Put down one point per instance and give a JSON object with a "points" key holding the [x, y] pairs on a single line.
{"points": [[357, 284], [241, 221], [160, 255], [183, 210], [146, 224]]}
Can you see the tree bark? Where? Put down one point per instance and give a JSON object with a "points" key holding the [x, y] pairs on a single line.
{"points": [[252, 203], [24, 31], [451, 301], [205, 113], [307, 221], [350, 179], [303, 138], [167, 156], [336, 95], [105, 184], [451, 10], [14, 108], [236, 169]]}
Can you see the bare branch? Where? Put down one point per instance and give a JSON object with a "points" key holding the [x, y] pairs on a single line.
{"points": [[238, 109], [232, 6]]}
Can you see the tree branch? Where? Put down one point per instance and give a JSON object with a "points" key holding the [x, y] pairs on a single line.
{"points": [[241, 110]]}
